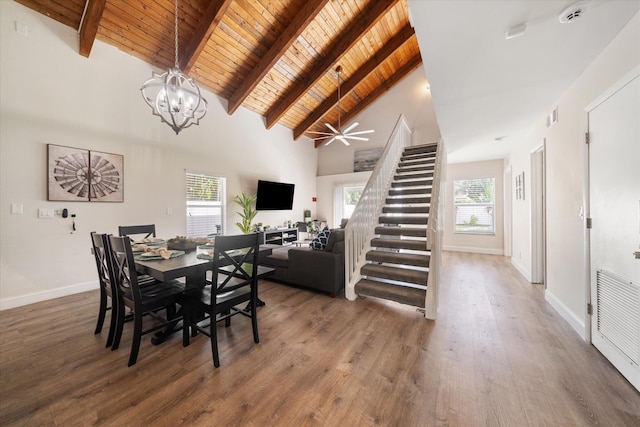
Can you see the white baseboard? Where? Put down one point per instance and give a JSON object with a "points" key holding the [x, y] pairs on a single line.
{"points": [[6, 303], [526, 273], [568, 315], [473, 250]]}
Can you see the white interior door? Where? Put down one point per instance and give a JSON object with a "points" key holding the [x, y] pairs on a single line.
{"points": [[614, 207]]}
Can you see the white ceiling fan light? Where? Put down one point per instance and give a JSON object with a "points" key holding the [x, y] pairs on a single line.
{"points": [[340, 134]]}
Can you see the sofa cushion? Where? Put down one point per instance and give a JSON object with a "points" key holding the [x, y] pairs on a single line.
{"points": [[337, 235], [320, 242], [279, 257]]}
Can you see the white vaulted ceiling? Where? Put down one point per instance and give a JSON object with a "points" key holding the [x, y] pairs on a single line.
{"points": [[484, 86]]}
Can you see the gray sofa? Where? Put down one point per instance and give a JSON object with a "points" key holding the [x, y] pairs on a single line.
{"points": [[321, 270]]}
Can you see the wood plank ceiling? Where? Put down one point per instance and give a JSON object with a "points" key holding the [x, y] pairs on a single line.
{"points": [[274, 57]]}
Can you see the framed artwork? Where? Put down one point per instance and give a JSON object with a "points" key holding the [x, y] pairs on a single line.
{"points": [[76, 174], [365, 160], [520, 186]]}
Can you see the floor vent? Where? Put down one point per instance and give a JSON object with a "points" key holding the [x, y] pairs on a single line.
{"points": [[619, 313]]}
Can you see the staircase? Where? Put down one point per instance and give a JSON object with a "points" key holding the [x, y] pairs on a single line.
{"points": [[397, 264]]}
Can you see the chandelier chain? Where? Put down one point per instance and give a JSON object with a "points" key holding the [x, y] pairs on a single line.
{"points": [[176, 30]]}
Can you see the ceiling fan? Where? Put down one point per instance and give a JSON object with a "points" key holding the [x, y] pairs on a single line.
{"points": [[341, 134]]}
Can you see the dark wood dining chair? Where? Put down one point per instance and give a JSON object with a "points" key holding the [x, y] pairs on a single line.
{"points": [[145, 231], [234, 282], [105, 274], [142, 301]]}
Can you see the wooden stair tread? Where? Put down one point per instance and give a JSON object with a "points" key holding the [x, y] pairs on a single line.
{"points": [[405, 209], [416, 183], [409, 191], [396, 258], [402, 294], [414, 168], [407, 200], [387, 219], [415, 245], [401, 231], [406, 275], [413, 176]]}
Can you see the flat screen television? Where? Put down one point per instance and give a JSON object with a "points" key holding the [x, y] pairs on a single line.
{"points": [[274, 196]]}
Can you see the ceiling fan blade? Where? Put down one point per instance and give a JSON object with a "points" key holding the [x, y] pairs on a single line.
{"points": [[351, 126], [362, 132], [358, 138], [334, 130], [329, 141], [345, 142]]}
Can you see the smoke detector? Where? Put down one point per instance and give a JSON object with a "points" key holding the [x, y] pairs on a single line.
{"points": [[572, 13]]}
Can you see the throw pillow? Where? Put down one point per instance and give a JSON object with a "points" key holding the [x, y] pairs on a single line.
{"points": [[320, 242]]}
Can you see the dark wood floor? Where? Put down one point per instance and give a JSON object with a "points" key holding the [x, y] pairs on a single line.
{"points": [[498, 355]]}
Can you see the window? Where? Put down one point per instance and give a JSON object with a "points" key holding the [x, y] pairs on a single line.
{"points": [[350, 198], [474, 206], [206, 209], [345, 200]]}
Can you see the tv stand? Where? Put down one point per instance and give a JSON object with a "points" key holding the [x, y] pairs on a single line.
{"points": [[282, 236]]}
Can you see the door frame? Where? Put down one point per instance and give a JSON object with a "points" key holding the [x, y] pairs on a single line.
{"points": [[508, 211], [538, 216]]}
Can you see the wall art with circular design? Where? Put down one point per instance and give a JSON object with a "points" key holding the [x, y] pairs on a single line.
{"points": [[76, 174]]}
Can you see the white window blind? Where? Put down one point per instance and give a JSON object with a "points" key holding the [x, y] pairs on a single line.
{"points": [[206, 209], [473, 201]]}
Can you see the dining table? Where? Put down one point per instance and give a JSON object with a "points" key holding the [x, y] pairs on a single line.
{"points": [[193, 269]]}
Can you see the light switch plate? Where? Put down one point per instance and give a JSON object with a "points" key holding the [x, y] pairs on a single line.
{"points": [[46, 213], [16, 208]]}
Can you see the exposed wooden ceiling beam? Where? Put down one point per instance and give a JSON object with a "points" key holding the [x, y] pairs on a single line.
{"points": [[210, 20], [286, 39], [89, 25], [402, 72], [345, 42], [378, 58]]}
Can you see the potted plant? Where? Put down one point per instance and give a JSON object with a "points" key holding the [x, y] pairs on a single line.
{"points": [[248, 211], [307, 215]]}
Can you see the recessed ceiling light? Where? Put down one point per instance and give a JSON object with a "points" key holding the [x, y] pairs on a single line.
{"points": [[572, 12]]}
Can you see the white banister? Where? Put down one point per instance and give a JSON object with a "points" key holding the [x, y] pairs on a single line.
{"points": [[435, 232], [360, 228]]}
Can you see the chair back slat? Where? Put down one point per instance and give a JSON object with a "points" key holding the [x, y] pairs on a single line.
{"points": [[241, 252], [103, 261], [124, 268], [148, 230]]}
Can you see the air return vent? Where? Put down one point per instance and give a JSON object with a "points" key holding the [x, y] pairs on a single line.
{"points": [[572, 13]]}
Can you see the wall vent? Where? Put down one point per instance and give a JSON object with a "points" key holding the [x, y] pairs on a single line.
{"points": [[618, 312]]}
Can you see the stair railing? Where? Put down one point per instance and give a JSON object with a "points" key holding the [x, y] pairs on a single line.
{"points": [[360, 228], [435, 232]]}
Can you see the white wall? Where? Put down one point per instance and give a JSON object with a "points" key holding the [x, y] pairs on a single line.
{"points": [[478, 243], [49, 94], [565, 160], [409, 97]]}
